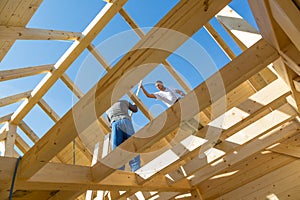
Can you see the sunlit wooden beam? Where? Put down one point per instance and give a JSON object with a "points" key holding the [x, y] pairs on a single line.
{"points": [[24, 72], [14, 98], [21, 33]]}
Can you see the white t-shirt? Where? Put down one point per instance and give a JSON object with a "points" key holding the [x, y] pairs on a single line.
{"points": [[168, 96]]}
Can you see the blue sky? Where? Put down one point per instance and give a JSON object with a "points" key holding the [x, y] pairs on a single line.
{"points": [[112, 42]]}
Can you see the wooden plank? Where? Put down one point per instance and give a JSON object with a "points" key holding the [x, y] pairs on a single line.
{"points": [[80, 177], [188, 155], [24, 72], [21, 33], [23, 13], [290, 150], [269, 30], [10, 140], [2, 4], [242, 173], [274, 182], [244, 151], [132, 23], [71, 85], [16, 13], [68, 58], [4, 48], [198, 162], [245, 36], [3, 135], [54, 116], [98, 57], [285, 14], [204, 99], [28, 131], [14, 98], [223, 45], [256, 111], [290, 55], [21, 144], [8, 10], [5, 118], [273, 33], [67, 194], [48, 110]]}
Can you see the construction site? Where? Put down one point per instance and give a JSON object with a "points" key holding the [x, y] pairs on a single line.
{"points": [[231, 134]]}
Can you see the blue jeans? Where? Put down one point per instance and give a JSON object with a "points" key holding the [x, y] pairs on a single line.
{"points": [[121, 130]]}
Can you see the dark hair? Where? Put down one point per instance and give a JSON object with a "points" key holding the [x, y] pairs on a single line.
{"points": [[158, 81]]}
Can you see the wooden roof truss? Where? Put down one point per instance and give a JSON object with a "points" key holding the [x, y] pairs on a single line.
{"points": [[253, 154]]}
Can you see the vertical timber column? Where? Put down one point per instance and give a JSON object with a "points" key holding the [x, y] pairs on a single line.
{"points": [[10, 139]]}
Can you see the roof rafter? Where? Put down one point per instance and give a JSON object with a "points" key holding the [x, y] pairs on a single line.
{"points": [[24, 72], [21, 33]]}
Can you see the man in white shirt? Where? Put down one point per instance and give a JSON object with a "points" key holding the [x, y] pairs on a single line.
{"points": [[167, 95]]}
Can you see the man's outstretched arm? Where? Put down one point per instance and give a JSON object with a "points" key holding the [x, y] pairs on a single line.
{"points": [[148, 94]]}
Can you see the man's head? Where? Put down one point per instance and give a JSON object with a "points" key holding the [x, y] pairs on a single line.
{"points": [[160, 85]]}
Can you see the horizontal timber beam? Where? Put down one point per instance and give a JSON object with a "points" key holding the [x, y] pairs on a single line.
{"points": [[21, 33], [24, 72], [14, 98], [79, 177]]}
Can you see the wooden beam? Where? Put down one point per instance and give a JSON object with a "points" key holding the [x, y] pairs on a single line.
{"points": [[71, 85], [250, 169], [245, 36], [289, 147], [21, 33], [275, 182], [215, 35], [204, 100], [269, 30], [290, 56], [80, 178], [3, 135], [276, 36], [66, 194], [196, 164], [240, 30], [104, 16], [285, 14], [288, 75], [24, 72], [103, 90], [290, 150], [48, 110], [278, 134], [29, 132], [10, 140], [15, 14], [256, 113], [5, 118], [21, 144], [14, 98]]}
